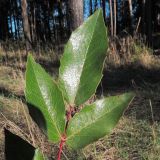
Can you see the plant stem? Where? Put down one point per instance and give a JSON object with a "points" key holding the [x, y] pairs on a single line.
{"points": [[63, 140], [69, 114]]}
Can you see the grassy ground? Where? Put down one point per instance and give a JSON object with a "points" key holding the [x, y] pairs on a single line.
{"points": [[136, 137]]}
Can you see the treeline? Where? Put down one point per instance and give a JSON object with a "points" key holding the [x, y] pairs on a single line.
{"points": [[34, 20], [52, 21]]}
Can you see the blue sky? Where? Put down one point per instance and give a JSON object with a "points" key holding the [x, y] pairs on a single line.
{"points": [[87, 8]]}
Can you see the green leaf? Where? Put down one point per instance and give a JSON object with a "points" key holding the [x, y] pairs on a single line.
{"points": [[43, 93], [96, 120], [38, 155], [82, 62]]}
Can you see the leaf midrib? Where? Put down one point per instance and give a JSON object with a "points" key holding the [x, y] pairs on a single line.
{"points": [[83, 64], [86, 55], [44, 102]]}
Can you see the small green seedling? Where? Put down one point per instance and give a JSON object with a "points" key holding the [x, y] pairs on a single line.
{"points": [[69, 117]]}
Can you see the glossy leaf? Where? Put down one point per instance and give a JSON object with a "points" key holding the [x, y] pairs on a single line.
{"points": [[43, 93], [96, 120], [38, 155], [82, 63]]}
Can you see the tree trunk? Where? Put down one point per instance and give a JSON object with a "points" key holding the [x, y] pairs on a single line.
{"points": [[131, 15], [95, 5], [76, 13], [26, 26], [111, 16], [90, 3], [143, 17], [33, 22], [148, 18], [4, 21], [115, 17], [60, 21]]}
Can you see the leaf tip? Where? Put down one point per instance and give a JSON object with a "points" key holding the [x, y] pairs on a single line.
{"points": [[99, 12], [131, 94], [30, 57]]}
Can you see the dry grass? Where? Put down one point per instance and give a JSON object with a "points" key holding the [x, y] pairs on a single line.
{"points": [[11, 81], [148, 61], [131, 50], [17, 123]]}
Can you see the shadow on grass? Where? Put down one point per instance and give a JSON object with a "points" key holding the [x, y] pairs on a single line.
{"points": [[144, 82], [128, 76]]}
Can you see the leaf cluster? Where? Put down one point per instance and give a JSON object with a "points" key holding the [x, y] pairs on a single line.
{"points": [[80, 73]]}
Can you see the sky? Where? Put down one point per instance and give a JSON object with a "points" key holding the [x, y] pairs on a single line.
{"points": [[87, 8]]}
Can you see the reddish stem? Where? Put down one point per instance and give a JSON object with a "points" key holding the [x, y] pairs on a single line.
{"points": [[63, 140], [69, 114]]}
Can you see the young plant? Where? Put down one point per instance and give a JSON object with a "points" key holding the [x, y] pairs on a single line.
{"points": [[69, 118]]}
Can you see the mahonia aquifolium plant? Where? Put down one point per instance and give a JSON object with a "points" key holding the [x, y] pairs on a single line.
{"points": [[80, 73]]}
